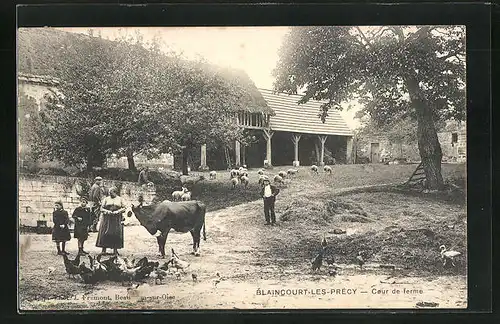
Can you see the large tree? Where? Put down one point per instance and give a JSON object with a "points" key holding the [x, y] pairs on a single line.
{"points": [[396, 72]]}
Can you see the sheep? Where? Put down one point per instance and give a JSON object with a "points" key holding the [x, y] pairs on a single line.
{"points": [[327, 169], [292, 171], [314, 168], [177, 195], [234, 181], [278, 179], [260, 172], [234, 173], [244, 181], [213, 175], [186, 196], [243, 174], [282, 174]]}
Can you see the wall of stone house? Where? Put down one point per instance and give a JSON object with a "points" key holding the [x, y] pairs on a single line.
{"points": [[37, 195], [165, 161]]}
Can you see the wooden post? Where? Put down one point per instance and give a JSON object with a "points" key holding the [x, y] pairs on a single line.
{"points": [[203, 162], [349, 151], [322, 139], [237, 160], [295, 140], [243, 155], [268, 135]]}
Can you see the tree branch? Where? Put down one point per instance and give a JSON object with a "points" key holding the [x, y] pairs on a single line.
{"points": [[363, 36]]}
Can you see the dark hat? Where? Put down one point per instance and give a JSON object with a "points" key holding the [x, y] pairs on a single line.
{"points": [[265, 178], [84, 198], [59, 203]]}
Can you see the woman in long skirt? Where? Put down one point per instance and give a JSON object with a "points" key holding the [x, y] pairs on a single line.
{"points": [[110, 233]]}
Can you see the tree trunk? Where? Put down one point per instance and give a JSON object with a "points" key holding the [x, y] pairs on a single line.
{"points": [[90, 160], [428, 143], [130, 161], [185, 156]]}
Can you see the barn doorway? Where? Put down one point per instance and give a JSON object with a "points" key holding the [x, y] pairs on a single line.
{"points": [[375, 153]]}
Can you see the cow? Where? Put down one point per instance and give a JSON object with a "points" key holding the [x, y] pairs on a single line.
{"points": [[183, 217]]}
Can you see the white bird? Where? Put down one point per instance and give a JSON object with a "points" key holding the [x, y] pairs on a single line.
{"points": [[448, 255]]}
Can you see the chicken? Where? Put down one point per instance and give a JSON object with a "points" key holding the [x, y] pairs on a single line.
{"points": [[330, 261], [72, 265], [332, 272], [195, 277], [129, 264], [218, 279], [158, 274], [448, 256], [360, 260], [164, 266], [318, 260], [324, 243], [178, 263], [129, 274], [88, 276], [51, 270]]}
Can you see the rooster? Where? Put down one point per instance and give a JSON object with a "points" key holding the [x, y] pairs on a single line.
{"points": [[448, 255], [72, 265], [360, 260], [318, 260]]}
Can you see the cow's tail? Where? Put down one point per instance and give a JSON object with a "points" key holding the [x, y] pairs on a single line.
{"points": [[202, 211]]}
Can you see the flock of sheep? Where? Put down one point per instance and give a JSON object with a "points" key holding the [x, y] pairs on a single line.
{"points": [[240, 176]]}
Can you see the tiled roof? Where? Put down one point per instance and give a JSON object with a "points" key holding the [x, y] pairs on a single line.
{"points": [[303, 118]]}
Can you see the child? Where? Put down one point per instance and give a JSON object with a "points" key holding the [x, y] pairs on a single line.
{"points": [[82, 217], [60, 232]]}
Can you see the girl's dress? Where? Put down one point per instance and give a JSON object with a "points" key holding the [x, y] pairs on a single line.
{"points": [[60, 217], [110, 233], [81, 230]]}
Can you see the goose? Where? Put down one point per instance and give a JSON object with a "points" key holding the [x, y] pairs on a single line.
{"points": [[448, 255]]}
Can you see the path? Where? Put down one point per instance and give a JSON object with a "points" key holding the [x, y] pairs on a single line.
{"points": [[236, 248]]}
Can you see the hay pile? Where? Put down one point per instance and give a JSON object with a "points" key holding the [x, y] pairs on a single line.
{"points": [[323, 213]]}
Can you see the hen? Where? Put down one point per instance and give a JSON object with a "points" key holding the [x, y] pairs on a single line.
{"points": [[71, 265]]}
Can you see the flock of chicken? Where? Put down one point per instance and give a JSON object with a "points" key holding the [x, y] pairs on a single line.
{"points": [[447, 256], [123, 270]]}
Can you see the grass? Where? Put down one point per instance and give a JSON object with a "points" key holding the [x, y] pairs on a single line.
{"points": [[389, 224]]}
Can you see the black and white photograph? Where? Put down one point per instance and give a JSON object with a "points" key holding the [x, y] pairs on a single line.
{"points": [[242, 167]]}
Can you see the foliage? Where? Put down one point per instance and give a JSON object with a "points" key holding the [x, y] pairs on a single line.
{"points": [[370, 64], [127, 97], [397, 73]]}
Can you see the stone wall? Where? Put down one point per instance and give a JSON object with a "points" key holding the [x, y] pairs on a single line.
{"points": [[37, 195]]}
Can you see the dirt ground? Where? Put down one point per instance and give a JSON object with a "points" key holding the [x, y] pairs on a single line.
{"points": [[270, 267]]}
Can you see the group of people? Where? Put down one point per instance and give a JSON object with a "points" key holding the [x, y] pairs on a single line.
{"points": [[104, 215]]}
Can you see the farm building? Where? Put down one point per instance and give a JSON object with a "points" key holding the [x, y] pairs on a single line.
{"points": [[377, 148], [285, 133]]}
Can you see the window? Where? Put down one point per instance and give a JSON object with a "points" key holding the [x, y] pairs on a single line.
{"points": [[454, 139]]}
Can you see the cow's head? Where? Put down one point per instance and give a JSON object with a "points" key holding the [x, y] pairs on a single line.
{"points": [[143, 215]]}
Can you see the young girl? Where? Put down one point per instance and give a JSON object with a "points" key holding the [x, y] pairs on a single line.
{"points": [[60, 232], [82, 217]]}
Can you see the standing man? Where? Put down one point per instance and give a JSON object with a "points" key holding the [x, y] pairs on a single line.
{"points": [[269, 193], [95, 196], [143, 176]]}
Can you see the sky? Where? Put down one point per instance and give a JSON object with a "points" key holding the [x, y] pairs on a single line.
{"points": [[252, 49]]}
